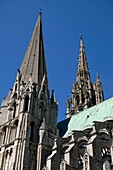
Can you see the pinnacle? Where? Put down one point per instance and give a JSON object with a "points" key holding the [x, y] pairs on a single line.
{"points": [[81, 42], [97, 76], [82, 61]]}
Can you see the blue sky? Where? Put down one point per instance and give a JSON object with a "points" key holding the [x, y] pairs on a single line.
{"points": [[63, 21]]}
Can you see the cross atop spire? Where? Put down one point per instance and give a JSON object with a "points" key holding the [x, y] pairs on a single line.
{"points": [[40, 12], [81, 40]]}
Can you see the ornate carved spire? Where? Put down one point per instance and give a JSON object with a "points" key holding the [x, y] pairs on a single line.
{"points": [[99, 94], [84, 93], [83, 71]]}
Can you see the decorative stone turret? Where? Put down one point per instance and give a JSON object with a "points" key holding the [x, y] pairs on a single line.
{"points": [[98, 90]]}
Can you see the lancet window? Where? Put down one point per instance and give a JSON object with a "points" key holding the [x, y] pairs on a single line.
{"points": [[106, 165], [14, 109], [26, 103], [31, 131], [13, 131], [4, 134], [77, 99]]}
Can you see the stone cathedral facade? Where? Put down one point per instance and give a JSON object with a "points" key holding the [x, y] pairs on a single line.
{"points": [[31, 139]]}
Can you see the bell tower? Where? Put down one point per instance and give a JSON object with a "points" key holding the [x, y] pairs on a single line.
{"points": [[84, 93], [27, 131]]}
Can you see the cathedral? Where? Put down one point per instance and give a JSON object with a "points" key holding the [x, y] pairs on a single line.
{"points": [[31, 138]]}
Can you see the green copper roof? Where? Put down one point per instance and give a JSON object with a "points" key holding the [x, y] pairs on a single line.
{"points": [[86, 118]]}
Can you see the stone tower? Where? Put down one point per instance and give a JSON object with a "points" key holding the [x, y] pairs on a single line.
{"points": [[84, 93], [28, 115], [86, 135]]}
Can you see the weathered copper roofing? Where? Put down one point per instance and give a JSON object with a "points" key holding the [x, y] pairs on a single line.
{"points": [[101, 112]]}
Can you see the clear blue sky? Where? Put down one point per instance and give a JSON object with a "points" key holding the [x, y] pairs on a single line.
{"points": [[63, 21]]}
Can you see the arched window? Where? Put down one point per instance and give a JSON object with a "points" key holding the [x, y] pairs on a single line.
{"points": [[82, 144], [11, 150], [83, 98], [13, 132], [16, 87], [4, 134], [15, 96], [106, 165], [14, 109], [26, 102], [6, 153], [44, 88], [77, 100], [16, 126], [31, 131]]}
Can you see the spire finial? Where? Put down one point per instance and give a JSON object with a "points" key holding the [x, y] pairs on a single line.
{"points": [[80, 36], [81, 41], [40, 11], [97, 76]]}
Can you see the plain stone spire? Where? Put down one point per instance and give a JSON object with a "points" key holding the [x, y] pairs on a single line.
{"points": [[34, 63]]}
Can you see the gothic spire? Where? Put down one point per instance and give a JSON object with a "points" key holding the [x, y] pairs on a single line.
{"points": [[82, 62], [34, 63]]}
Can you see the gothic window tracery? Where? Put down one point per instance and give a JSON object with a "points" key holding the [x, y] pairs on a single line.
{"points": [[7, 158], [81, 152], [105, 151]]}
